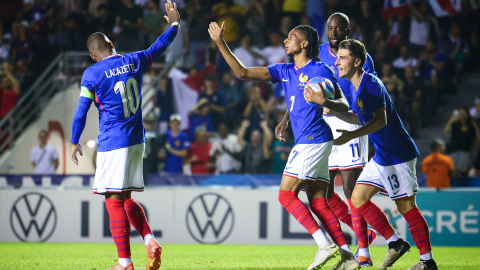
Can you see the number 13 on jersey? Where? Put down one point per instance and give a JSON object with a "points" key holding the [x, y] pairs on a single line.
{"points": [[130, 103]]}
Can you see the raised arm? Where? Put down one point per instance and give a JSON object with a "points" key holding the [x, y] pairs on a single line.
{"points": [[241, 132], [250, 73], [164, 40]]}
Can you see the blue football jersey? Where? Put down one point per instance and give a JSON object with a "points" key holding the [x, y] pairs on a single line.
{"points": [[173, 163], [116, 82], [327, 57], [393, 144], [308, 124]]}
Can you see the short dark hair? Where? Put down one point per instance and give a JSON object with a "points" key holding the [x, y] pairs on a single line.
{"points": [[312, 37], [434, 145], [43, 131], [356, 48], [97, 41]]}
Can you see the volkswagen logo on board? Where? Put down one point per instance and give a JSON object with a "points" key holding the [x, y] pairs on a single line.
{"points": [[33, 217], [210, 218]]}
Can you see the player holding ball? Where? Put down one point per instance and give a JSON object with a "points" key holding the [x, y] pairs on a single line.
{"points": [[307, 165], [114, 82]]}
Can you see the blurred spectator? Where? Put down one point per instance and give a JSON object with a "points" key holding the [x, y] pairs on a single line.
{"points": [[438, 167], [230, 91], [178, 49], [286, 26], [368, 20], [281, 152], [250, 56], [256, 25], [44, 157], [104, 22], [256, 110], [5, 46], [199, 153], [455, 48], [432, 63], [10, 90], [419, 27], [197, 23], [22, 45], [199, 116], [355, 31], [153, 22], [76, 23], [404, 60], [216, 101], [129, 19], [393, 84], [412, 92], [230, 13], [225, 149], [462, 140], [256, 153], [177, 145], [164, 100], [94, 7], [475, 111], [275, 52], [153, 144]]}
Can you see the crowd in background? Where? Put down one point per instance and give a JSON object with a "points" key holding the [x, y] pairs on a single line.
{"points": [[419, 57]]}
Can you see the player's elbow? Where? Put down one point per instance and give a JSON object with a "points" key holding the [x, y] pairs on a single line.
{"points": [[241, 73]]}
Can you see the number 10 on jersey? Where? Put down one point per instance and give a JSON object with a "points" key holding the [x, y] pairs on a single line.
{"points": [[130, 104]]}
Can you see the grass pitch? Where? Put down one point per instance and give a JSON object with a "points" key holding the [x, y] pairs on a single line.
{"points": [[103, 256]]}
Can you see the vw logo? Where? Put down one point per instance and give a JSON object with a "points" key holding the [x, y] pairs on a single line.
{"points": [[210, 218], [33, 218]]}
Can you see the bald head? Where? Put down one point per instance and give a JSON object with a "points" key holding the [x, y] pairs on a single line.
{"points": [[98, 43], [340, 19]]}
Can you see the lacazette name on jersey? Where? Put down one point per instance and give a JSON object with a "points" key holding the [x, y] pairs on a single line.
{"points": [[121, 70]]}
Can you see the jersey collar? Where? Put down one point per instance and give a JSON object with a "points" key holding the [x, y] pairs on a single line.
{"points": [[361, 79], [113, 55], [296, 68], [329, 51]]}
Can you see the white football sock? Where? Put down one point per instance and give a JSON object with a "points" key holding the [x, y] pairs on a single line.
{"points": [[393, 238], [320, 238], [147, 238], [365, 252], [346, 248], [427, 256], [125, 261]]}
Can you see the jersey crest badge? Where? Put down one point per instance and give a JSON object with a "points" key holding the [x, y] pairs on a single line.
{"points": [[360, 104], [303, 79]]}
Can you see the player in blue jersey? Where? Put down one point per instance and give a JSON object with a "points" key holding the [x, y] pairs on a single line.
{"points": [[307, 165], [114, 84], [392, 170], [348, 159]]}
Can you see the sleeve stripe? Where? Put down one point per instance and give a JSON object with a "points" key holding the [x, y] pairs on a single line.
{"points": [[151, 59], [84, 92]]}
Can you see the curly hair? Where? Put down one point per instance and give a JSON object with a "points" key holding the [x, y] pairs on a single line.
{"points": [[312, 37]]}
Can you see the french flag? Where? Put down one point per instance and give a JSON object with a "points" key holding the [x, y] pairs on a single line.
{"points": [[186, 89], [442, 8], [393, 8]]}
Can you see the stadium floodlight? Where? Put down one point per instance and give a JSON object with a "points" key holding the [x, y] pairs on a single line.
{"points": [[91, 143]]}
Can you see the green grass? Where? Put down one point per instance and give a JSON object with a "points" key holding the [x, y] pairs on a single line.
{"points": [[103, 256]]}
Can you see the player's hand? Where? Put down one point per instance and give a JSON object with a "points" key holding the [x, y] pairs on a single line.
{"points": [[279, 130], [215, 31], [344, 138], [312, 96], [73, 153], [172, 12]]}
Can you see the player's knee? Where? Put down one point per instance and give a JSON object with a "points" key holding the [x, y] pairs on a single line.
{"points": [[286, 197], [358, 200]]}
